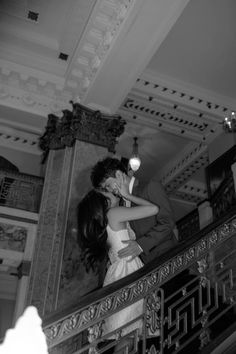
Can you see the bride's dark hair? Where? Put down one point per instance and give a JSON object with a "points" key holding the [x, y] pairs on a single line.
{"points": [[92, 234]]}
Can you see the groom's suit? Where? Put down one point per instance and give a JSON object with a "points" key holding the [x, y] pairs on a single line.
{"points": [[155, 233]]}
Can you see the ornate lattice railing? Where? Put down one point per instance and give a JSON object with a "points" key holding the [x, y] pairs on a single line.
{"points": [[222, 201], [20, 191], [184, 298]]}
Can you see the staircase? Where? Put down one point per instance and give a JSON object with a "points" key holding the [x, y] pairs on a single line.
{"points": [[189, 297]]}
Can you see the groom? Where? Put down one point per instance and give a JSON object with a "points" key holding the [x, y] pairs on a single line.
{"points": [[154, 235]]}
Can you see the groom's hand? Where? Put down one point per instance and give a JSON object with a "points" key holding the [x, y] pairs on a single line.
{"points": [[132, 249]]}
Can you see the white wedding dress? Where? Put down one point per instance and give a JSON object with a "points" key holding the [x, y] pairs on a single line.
{"points": [[119, 268]]}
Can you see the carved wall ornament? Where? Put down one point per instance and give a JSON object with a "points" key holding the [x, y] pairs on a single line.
{"points": [[12, 237], [84, 124]]}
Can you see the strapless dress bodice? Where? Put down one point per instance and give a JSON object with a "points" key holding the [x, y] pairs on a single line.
{"points": [[118, 269], [115, 243]]}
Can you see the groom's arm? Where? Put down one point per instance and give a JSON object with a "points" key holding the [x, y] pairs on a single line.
{"points": [[162, 230]]}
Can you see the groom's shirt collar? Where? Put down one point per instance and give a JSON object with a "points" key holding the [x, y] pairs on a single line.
{"points": [[131, 184]]}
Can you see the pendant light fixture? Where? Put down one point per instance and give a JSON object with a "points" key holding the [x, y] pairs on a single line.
{"points": [[134, 160]]}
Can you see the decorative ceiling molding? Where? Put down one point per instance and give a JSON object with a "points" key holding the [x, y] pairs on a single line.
{"points": [[183, 112], [26, 73], [19, 140], [191, 191], [169, 107], [30, 97], [168, 117], [20, 128], [183, 169], [102, 30], [194, 188], [206, 104]]}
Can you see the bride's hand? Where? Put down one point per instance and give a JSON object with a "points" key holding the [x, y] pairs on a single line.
{"points": [[123, 187]]}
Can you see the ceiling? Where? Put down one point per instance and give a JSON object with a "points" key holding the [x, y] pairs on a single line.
{"points": [[166, 66]]}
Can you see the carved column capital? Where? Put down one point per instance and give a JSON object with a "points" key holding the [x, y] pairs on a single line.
{"points": [[84, 124]]}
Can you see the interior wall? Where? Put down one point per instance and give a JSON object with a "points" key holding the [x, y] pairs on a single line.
{"points": [[220, 145], [26, 162], [6, 315], [181, 209]]}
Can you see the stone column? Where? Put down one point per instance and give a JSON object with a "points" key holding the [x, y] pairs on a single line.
{"points": [[58, 277]]}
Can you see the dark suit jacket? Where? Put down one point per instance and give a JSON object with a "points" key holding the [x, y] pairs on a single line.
{"points": [[154, 234]]}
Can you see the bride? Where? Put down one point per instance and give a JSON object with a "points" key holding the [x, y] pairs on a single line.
{"points": [[103, 228]]}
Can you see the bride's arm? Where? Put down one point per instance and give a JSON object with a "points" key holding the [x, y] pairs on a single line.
{"points": [[123, 189], [143, 207]]}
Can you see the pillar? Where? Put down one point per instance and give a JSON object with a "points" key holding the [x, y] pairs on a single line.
{"points": [[72, 145]]}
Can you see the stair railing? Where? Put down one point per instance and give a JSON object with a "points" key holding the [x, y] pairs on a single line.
{"points": [[221, 202], [185, 298]]}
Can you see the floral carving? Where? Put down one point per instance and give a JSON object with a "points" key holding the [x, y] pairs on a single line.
{"points": [[95, 332], [153, 313], [202, 265]]}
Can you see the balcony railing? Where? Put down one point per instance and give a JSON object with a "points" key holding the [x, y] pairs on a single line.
{"points": [[222, 201], [187, 297], [20, 191], [224, 198]]}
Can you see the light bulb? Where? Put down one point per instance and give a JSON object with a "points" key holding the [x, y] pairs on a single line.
{"points": [[135, 163]]}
